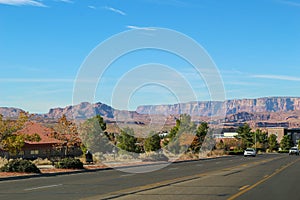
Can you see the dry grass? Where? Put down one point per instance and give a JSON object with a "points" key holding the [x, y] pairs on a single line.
{"points": [[189, 156], [3, 161], [40, 161], [216, 153], [100, 158]]}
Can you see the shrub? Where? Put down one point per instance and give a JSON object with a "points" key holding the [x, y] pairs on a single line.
{"points": [[69, 163], [3, 161], [236, 152], [40, 161], [19, 165], [153, 156], [283, 151], [219, 152], [189, 156]]}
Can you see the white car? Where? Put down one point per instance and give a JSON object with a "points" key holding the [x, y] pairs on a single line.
{"points": [[250, 152], [294, 150]]}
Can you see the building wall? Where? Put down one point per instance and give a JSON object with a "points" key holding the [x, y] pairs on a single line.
{"points": [[279, 132], [295, 134], [34, 151]]}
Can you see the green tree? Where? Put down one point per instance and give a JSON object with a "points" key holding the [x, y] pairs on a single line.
{"points": [[181, 135], [286, 143], [272, 142], [199, 138], [93, 135], [8, 126], [10, 140], [66, 131], [4, 128], [173, 133], [126, 140], [15, 142], [260, 139], [220, 145], [245, 135], [152, 143]]}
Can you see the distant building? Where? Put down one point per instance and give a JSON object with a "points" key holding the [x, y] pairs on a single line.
{"points": [[281, 131], [228, 133], [45, 148]]}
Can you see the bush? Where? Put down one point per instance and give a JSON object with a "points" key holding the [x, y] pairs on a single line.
{"points": [[153, 156], [218, 152], [19, 165], [69, 163], [189, 156], [3, 161], [240, 152], [283, 151], [40, 161]]}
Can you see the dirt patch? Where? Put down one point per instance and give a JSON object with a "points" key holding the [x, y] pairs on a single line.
{"points": [[9, 174]]}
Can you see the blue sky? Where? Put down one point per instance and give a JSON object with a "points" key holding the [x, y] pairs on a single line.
{"points": [[255, 45]]}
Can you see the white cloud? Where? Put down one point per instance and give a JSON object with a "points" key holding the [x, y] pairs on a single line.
{"points": [[291, 3], [33, 80], [92, 7], [22, 3], [141, 28], [277, 77], [45, 80], [115, 10], [66, 1], [177, 3]]}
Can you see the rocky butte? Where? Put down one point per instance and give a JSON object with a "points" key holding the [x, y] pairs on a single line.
{"points": [[259, 112]]}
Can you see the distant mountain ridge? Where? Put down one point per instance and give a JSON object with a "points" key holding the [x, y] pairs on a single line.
{"points": [[215, 108], [266, 110], [10, 112]]}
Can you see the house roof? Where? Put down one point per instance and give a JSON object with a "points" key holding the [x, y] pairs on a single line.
{"points": [[31, 128]]}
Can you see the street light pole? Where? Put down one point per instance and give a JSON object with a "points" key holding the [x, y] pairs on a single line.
{"points": [[255, 140]]}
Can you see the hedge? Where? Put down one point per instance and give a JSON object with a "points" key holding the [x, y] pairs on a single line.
{"points": [[69, 163], [19, 165]]}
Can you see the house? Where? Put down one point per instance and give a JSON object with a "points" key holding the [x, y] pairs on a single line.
{"points": [[47, 147]]}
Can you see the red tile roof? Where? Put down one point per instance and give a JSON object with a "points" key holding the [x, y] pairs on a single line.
{"points": [[31, 128]]}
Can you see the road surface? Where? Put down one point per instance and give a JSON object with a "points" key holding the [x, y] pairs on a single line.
{"points": [[267, 176]]}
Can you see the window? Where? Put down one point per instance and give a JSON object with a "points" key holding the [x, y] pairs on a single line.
{"points": [[34, 152]]}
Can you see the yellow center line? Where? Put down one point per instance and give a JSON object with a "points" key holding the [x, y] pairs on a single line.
{"points": [[261, 181], [137, 189], [244, 187]]}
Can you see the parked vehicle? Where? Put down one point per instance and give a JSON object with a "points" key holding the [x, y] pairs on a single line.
{"points": [[294, 151], [250, 152]]}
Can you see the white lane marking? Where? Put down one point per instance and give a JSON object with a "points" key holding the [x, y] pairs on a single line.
{"points": [[199, 165], [174, 168], [127, 175], [42, 187]]}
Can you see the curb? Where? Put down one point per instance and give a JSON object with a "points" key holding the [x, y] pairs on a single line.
{"points": [[9, 178]]}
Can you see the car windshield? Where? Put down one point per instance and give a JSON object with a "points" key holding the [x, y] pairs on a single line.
{"points": [[294, 148], [249, 149]]}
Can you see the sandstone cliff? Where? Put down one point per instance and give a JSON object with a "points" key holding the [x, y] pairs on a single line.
{"points": [[215, 108]]}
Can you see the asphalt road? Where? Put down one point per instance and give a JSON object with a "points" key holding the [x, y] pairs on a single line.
{"points": [[263, 177]]}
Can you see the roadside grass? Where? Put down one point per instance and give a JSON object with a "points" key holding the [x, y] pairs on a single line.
{"points": [[40, 161], [3, 161]]}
